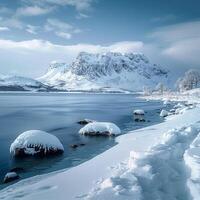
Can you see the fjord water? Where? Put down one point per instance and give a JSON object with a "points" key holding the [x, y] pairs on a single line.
{"points": [[58, 113]]}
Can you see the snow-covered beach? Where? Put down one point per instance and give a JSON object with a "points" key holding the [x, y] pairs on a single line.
{"points": [[156, 162]]}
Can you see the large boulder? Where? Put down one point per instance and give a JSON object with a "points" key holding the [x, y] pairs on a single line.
{"points": [[36, 143], [100, 128]]}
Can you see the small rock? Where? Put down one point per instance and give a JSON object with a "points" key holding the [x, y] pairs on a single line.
{"points": [[10, 176], [74, 146], [85, 121], [139, 120]]}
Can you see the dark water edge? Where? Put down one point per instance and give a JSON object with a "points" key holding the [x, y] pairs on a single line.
{"points": [[58, 113]]}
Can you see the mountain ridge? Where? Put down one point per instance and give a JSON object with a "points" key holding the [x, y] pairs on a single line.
{"points": [[88, 71]]}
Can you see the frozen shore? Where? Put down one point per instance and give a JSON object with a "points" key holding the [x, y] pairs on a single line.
{"points": [[143, 165]]}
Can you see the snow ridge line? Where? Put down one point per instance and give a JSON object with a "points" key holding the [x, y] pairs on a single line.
{"points": [[161, 173]]}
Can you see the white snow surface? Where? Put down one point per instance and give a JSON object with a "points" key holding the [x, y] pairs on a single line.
{"points": [[149, 163], [100, 128], [105, 71], [35, 138]]}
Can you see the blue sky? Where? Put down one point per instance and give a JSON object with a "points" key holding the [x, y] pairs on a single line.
{"points": [[35, 32]]}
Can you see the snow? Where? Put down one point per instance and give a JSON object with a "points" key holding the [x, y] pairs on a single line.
{"points": [[100, 128], [164, 113], [138, 112], [149, 163], [33, 138], [192, 160]]}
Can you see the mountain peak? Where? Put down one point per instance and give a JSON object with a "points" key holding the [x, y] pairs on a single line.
{"points": [[129, 71]]}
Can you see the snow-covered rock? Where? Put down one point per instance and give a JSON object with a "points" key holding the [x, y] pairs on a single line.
{"points": [[10, 176], [36, 142], [93, 72], [100, 128], [164, 113], [166, 102], [139, 115], [138, 112]]}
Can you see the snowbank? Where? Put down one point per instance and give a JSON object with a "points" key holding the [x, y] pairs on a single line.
{"points": [[36, 142], [192, 160], [158, 173], [100, 128], [155, 168]]}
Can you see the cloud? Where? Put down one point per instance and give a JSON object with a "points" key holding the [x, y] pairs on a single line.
{"points": [[164, 18], [26, 55], [12, 22], [82, 16], [177, 32], [46, 46], [126, 46], [79, 5], [179, 43], [33, 11], [3, 28], [64, 35], [32, 29], [53, 24], [60, 28], [185, 51], [5, 10]]}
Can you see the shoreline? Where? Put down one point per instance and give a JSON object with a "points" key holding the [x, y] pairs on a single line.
{"points": [[87, 175]]}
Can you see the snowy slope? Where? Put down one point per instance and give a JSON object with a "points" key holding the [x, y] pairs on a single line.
{"points": [[19, 83], [148, 163], [105, 70]]}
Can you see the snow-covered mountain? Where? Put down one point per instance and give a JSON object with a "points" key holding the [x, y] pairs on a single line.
{"points": [[19, 83], [104, 72]]}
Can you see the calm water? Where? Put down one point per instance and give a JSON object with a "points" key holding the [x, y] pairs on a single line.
{"points": [[58, 114]]}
